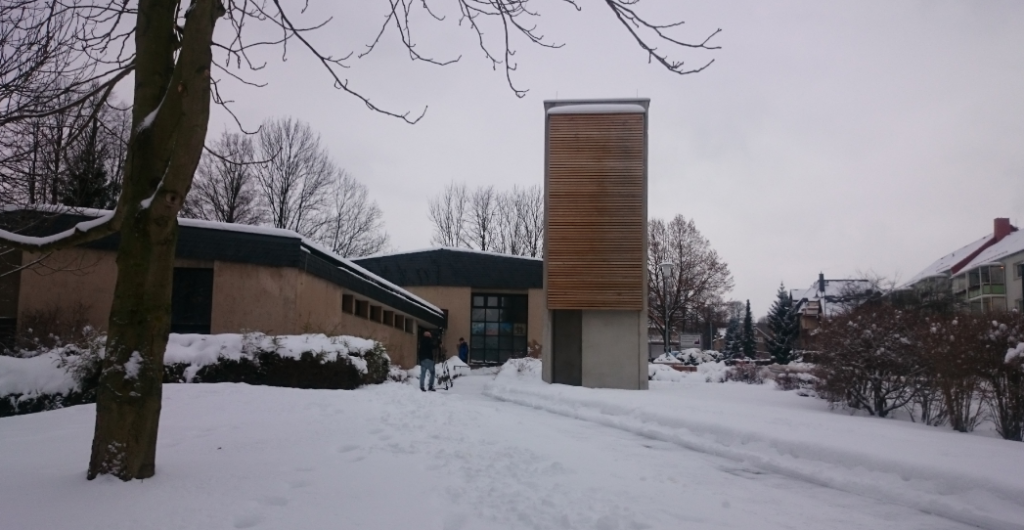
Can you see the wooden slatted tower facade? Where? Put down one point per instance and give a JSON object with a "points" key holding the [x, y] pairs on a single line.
{"points": [[595, 234]]}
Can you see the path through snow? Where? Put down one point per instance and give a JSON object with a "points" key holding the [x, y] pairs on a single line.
{"points": [[391, 457]]}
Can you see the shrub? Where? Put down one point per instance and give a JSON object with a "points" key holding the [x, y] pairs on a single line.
{"points": [[749, 373], [869, 359], [52, 327]]}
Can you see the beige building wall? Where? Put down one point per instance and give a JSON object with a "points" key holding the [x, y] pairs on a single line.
{"points": [[459, 303], [249, 297], [246, 297], [70, 279]]}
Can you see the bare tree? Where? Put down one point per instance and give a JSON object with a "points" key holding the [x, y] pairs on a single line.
{"points": [[699, 278], [295, 175], [482, 218], [355, 226], [509, 222], [448, 214], [224, 188], [531, 211], [84, 49]]}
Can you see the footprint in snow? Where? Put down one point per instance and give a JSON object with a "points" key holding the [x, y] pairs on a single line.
{"points": [[301, 483], [248, 520], [274, 500]]}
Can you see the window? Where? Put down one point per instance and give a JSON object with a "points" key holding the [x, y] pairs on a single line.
{"points": [[363, 308], [375, 312], [191, 300], [348, 304], [1018, 270], [389, 317], [497, 327], [400, 322], [408, 325]]}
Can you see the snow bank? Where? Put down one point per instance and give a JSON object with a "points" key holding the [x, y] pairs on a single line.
{"points": [[44, 373], [713, 372], [660, 372], [968, 478], [201, 350], [455, 366], [665, 358], [526, 369], [1015, 352], [41, 374]]}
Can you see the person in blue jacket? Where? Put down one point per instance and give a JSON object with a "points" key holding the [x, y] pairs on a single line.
{"points": [[463, 350]]}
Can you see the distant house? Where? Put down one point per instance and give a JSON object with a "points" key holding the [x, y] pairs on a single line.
{"points": [[984, 275], [826, 298]]}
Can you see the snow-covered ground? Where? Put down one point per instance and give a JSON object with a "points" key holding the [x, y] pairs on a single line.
{"points": [[392, 457]]}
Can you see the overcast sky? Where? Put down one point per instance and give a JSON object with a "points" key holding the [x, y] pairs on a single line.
{"points": [[837, 137]]}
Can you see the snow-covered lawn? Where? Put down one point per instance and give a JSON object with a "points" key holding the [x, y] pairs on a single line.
{"points": [[972, 478], [392, 457]]}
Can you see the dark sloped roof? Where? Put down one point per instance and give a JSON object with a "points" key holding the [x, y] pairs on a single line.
{"points": [[453, 267], [224, 242]]}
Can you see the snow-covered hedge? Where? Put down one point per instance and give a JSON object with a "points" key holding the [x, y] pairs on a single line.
{"points": [[696, 357], [68, 375]]}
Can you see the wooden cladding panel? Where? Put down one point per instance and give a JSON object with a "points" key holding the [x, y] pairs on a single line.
{"points": [[596, 211]]}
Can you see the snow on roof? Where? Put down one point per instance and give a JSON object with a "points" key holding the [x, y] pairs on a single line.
{"points": [[373, 278], [833, 288], [598, 108], [452, 249], [942, 265], [836, 291], [1013, 243], [359, 272]]}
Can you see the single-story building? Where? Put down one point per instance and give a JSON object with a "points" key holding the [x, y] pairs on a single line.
{"points": [[228, 278], [494, 301]]}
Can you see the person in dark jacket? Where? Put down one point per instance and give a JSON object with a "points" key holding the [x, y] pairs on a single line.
{"points": [[425, 357], [463, 350]]}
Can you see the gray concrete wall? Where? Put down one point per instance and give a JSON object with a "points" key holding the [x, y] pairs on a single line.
{"points": [[614, 350]]}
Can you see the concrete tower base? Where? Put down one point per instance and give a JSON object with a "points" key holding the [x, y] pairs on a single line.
{"points": [[596, 348]]}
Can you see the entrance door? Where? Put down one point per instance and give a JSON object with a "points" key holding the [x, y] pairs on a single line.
{"points": [[192, 300]]}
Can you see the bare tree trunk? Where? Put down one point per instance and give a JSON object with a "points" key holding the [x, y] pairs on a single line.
{"points": [[172, 109]]}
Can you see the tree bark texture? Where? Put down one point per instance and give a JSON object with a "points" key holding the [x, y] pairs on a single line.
{"points": [[170, 116]]}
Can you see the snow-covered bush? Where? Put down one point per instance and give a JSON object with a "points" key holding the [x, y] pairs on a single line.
{"points": [[296, 361], [793, 376], [869, 358], [69, 374], [696, 357], [660, 372], [665, 358], [748, 373], [713, 372]]}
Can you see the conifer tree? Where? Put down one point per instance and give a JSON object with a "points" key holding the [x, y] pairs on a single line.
{"points": [[88, 185], [748, 340], [783, 325], [733, 339]]}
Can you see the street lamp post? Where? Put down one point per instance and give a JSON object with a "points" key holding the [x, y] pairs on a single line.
{"points": [[666, 271]]}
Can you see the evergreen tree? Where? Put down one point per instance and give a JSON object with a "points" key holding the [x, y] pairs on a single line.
{"points": [[733, 339], [783, 324], [87, 185], [748, 340]]}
